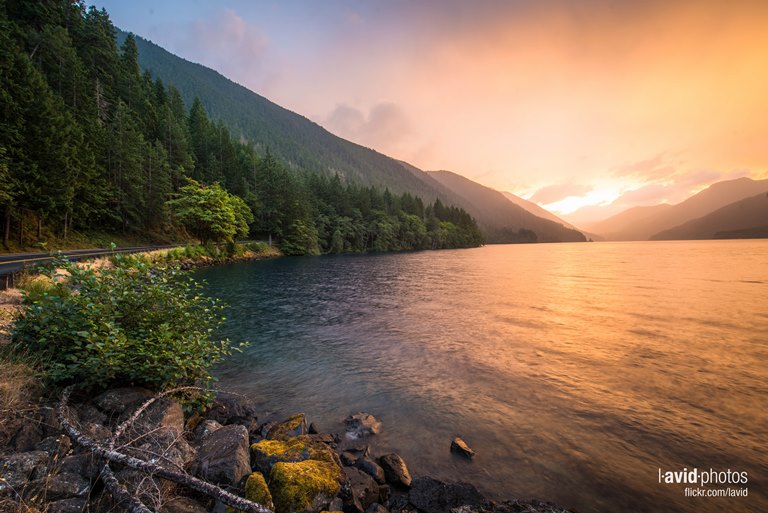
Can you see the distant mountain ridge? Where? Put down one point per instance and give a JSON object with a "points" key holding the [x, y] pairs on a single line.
{"points": [[536, 210], [642, 223], [491, 204], [305, 145], [745, 218]]}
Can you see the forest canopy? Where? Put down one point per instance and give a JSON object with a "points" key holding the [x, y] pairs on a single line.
{"points": [[90, 143]]}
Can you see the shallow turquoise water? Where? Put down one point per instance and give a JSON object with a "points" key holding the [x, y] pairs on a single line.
{"points": [[575, 371]]}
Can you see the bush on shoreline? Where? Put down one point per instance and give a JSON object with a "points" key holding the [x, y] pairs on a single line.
{"points": [[129, 324]]}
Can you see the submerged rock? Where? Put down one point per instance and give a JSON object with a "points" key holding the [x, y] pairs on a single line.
{"points": [[362, 424], [459, 446], [295, 425], [307, 485], [395, 470]]}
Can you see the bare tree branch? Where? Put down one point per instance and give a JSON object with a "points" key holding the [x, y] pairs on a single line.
{"points": [[184, 479]]}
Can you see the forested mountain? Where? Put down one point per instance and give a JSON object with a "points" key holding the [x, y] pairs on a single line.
{"points": [[504, 219], [88, 141], [306, 146], [640, 223], [292, 138], [747, 218]]}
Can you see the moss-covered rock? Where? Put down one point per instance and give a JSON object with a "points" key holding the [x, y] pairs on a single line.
{"points": [[298, 487], [256, 490], [295, 425], [299, 448]]}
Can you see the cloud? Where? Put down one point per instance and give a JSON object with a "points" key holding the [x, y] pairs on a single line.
{"points": [[651, 169], [553, 193], [229, 44], [384, 126]]}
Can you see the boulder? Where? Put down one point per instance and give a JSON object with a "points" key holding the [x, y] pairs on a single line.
{"points": [[183, 505], [28, 435], [295, 425], [16, 469], [73, 505], [56, 446], [348, 458], [150, 490], [360, 490], [376, 508], [84, 464], [49, 421], [395, 470], [164, 415], [433, 496], [205, 428], [89, 414], [58, 486], [307, 485], [223, 456], [256, 490], [117, 400], [233, 409], [370, 467], [268, 452], [362, 424], [165, 448], [460, 447]]}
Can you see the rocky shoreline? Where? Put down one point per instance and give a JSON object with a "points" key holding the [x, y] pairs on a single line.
{"points": [[287, 466]]}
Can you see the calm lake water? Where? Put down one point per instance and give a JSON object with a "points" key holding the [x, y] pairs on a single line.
{"points": [[576, 371]]}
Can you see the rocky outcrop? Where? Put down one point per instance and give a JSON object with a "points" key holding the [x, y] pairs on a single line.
{"points": [[278, 465]]}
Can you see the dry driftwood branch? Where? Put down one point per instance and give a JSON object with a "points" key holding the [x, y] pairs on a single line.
{"points": [[128, 501], [184, 479]]}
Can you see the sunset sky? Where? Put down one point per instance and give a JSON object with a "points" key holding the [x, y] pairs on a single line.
{"points": [[567, 103]]}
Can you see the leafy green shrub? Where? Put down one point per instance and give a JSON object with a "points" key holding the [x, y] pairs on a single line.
{"points": [[36, 287], [129, 324]]}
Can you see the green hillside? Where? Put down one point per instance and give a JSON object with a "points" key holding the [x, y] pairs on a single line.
{"points": [[305, 146], [294, 139]]}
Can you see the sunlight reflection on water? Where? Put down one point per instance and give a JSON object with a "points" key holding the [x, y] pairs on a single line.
{"points": [[574, 370]]}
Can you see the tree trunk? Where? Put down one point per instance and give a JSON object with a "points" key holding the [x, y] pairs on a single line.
{"points": [[21, 228], [39, 227], [7, 224]]}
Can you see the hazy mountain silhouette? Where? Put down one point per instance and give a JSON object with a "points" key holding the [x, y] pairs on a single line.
{"points": [[640, 223], [536, 210], [745, 218], [494, 211]]}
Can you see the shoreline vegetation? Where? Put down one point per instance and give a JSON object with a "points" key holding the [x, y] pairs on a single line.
{"points": [[56, 462]]}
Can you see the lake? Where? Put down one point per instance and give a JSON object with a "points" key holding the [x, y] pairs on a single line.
{"points": [[577, 372]]}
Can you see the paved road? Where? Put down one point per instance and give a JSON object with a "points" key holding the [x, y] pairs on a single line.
{"points": [[10, 263]]}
